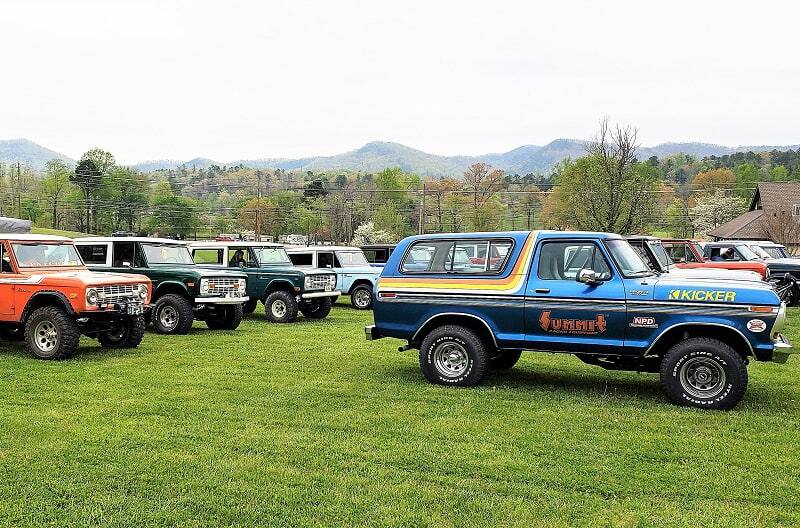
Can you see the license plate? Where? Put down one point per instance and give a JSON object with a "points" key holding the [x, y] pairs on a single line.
{"points": [[328, 287], [135, 309]]}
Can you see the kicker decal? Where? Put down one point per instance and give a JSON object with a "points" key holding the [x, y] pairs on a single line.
{"points": [[702, 295], [572, 326]]}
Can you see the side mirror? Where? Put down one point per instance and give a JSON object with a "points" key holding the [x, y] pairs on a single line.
{"points": [[587, 276]]}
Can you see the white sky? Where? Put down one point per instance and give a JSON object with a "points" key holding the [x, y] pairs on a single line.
{"points": [[245, 79]]}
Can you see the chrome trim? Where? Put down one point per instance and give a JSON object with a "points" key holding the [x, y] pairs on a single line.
{"points": [[334, 293], [489, 328], [749, 344], [221, 300], [780, 320]]}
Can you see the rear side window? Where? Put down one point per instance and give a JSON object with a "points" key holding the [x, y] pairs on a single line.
{"points": [[208, 256], [301, 259], [94, 254], [465, 256], [563, 260]]}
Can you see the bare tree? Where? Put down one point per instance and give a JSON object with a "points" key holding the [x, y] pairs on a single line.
{"points": [[781, 227]]}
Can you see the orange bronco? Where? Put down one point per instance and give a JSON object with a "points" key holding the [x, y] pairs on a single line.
{"points": [[50, 298]]}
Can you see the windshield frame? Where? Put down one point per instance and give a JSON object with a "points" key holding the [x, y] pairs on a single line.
{"points": [[14, 246], [658, 250], [162, 244], [261, 263], [761, 252], [746, 248], [338, 252], [646, 271]]}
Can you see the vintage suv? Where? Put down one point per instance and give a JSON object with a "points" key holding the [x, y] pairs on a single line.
{"points": [[354, 274], [272, 278], [48, 296], [587, 294], [182, 292]]}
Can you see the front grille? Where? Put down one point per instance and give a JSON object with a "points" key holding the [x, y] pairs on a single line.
{"points": [[318, 282], [118, 293], [223, 286]]}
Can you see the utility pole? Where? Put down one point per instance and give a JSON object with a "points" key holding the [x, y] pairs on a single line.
{"points": [[258, 207], [19, 192], [422, 215]]}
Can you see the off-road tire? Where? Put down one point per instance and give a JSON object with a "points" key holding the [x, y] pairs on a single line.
{"points": [[129, 335], [453, 355], [316, 308], [704, 373], [359, 296], [250, 306], [504, 359], [281, 307], [60, 325], [228, 317], [182, 309]]}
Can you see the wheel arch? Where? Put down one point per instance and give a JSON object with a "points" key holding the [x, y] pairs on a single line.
{"points": [[170, 287], [46, 298], [361, 282], [680, 331], [279, 284], [455, 318]]}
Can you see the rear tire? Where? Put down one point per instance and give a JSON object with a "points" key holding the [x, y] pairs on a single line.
{"points": [[361, 297], [51, 333], [281, 307], [704, 373], [173, 314], [316, 308], [250, 306], [453, 355], [129, 335], [504, 359], [226, 317]]}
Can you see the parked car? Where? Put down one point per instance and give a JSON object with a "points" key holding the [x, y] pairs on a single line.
{"points": [[182, 292], [689, 254], [587, 294], [653, 253], [272, 278], [354, 275], [784, 273], [49, 298], [378, 254], [767, 249]]}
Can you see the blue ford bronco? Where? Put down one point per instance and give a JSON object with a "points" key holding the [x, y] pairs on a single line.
{"points": [[581, 293]]}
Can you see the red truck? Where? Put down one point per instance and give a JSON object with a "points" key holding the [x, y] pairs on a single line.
{"points": [[688, 254]]}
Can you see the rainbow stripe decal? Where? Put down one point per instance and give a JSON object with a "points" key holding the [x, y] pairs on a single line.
{"points": [[506, 285]]}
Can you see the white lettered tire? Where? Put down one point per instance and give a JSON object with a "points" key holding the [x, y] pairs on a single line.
{"points": [[453, 355]]}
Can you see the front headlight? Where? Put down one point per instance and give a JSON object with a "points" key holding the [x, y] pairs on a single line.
{"points": [[203, 286], [143, 291], [91, 296], [332, 279], [307, 283], [242, 285]]}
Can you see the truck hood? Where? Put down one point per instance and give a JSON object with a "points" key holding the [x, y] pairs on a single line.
{"points": [[362, 270], [201, 273], [783, 264], [713, 273], [67, 278], [705, 291]]}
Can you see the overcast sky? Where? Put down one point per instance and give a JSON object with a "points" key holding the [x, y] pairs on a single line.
{"points": [[231, 80]]}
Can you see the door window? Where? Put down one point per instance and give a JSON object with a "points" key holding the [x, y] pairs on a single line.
{"points": [[5, 261], [94, 254], [241, 257], [563, 260], [124, 255], [302, 259], [325, 260], [208, 255]]}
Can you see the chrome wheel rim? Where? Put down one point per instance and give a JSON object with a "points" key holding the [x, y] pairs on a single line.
{"points": [[46, 336], [168, 317], [450, 359], [278, 309], [703, 377], [363, 298]]}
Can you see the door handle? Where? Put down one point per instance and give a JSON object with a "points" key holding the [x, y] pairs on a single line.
{"points": [[542, 290]]}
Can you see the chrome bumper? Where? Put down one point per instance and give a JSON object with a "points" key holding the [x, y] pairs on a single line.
{"points": [[372, 333], [782, 349], [199, 301], [314, 295]]}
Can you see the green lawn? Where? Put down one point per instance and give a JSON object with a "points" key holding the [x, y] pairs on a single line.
{"points": [[59, 232], [311, 425]]}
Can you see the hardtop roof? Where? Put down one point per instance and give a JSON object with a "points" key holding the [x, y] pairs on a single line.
{"points": [[132, 239]]}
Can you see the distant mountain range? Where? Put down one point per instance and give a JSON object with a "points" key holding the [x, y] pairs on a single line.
{"points": [[378, 155]]}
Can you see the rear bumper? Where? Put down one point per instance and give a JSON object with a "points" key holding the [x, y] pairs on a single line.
{"points": [[782, 349], [371, 333], [199, 301], [314, 295]]}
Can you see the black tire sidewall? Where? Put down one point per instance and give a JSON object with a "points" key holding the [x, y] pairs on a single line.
{"points": [[184, 310], [317, 308], [353, 297], [473, 346], [291, 307], [67, 333]]}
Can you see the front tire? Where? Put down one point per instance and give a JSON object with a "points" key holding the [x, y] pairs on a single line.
{"points": [[281, 307], [453, 355], [250, 306], [173, 314], [128, 335], [51, 333], [704, 373], [226, 317], [361, 297], [316, 308]]}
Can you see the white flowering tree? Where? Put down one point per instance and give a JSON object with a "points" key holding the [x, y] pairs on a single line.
{"points": [[367, 234]]}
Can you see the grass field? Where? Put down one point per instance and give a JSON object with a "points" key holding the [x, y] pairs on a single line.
{"points": [[310, 425], [59, 232]]}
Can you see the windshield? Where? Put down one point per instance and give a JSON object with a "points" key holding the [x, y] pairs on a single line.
{"points": [[760, 252], [271, 255], [167, 254], [46, 255], [747, 253], [349, 259], [661, 254], [775, 251], [629, 262]]}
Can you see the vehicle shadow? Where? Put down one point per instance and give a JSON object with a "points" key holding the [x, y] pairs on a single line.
{"points": [[85, 352]]}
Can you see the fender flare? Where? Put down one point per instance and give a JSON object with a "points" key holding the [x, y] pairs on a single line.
{"points": [[453, 314], [49, 295]]}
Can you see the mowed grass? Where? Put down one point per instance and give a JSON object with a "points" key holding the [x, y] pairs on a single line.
{"points": [[310, 425]]}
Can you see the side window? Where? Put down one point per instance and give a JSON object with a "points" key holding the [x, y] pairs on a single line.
{"points": [[457, 256], [563, 260], [642, 252], [95, 254], [241, 256], [325, 260], [371, 255], [498, 254], [5, 261], [301, 259], [208, 255], [676, 252], [123, 254]]}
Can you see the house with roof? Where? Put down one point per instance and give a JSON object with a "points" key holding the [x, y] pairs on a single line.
{"points": [[774, 215]]}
